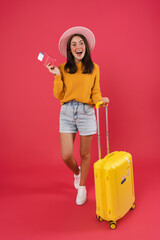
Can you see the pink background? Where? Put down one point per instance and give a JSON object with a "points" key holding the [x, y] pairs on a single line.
{"points": [[37, 196]]}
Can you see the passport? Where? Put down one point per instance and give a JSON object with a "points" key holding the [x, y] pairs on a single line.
{"points": [[45, 58]]}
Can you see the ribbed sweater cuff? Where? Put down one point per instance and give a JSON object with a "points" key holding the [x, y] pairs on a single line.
{"points": [[57, 77], [97, 99]]}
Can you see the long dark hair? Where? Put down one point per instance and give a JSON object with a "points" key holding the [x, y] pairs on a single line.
{"points": [[87, 64]]}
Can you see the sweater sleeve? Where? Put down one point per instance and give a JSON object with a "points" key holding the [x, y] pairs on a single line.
{"points": [[58, 89], [96, 92]]}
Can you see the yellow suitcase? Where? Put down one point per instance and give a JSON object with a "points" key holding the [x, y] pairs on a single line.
{"points": [[114, 183]]}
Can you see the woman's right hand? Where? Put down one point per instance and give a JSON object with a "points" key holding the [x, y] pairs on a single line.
{"points": [[52, 69]]}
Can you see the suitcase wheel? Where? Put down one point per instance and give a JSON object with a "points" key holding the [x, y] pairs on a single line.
{"points": [[133, 206], [113, 225], [99, 218]]}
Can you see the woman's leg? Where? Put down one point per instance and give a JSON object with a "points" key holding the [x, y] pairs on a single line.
{"points": [[67, 141], [85, 146]]}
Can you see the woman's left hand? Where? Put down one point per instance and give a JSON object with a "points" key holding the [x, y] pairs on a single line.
{"points": [[105, 101]]}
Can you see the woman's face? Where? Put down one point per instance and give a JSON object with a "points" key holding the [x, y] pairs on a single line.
{"points": [[78, 48]]}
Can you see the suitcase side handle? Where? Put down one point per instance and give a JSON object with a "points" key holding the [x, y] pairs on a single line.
{"points": [[98, 105]]}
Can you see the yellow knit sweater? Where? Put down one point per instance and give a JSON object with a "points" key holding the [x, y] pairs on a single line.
{"points": [[81, 87]]}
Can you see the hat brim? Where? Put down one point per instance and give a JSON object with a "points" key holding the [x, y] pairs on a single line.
{"points": [[79, 30]]}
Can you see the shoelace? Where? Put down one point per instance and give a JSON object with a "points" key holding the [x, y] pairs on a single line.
{"points": [[76, 180]]}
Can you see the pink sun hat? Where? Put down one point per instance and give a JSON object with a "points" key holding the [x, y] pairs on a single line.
{"points": [[67, 34]]}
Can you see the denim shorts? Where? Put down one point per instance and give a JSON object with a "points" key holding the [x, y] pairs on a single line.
{"points": [[76, 116]]}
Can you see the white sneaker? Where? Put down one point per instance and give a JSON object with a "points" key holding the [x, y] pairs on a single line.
{"points": [[77, 180], [82, 195]]}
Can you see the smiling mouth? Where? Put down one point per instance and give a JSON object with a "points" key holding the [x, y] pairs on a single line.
{"points": [[78, 53]]}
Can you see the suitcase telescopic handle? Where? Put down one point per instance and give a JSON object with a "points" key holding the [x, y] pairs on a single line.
{"points": [[98, 105]]}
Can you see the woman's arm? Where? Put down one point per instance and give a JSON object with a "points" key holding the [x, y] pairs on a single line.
{"points": [[96, 92], [58, 89]]}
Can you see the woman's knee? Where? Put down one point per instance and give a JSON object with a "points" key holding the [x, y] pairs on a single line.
{"points": [[85, 155], [67, 157]]}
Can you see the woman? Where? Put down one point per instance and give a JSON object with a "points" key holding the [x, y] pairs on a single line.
{"points": [[76, 85]]}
